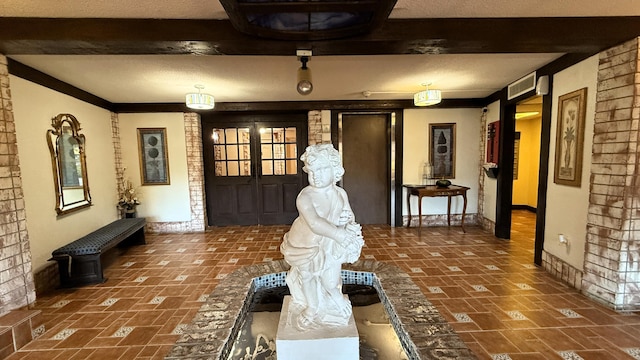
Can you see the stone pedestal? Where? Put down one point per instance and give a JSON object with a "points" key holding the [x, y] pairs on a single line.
{"points": [[335, 343]]}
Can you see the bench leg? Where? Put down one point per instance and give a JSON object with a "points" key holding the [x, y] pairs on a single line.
{"points": [[137, 238], [85, 270], [63, 270]]}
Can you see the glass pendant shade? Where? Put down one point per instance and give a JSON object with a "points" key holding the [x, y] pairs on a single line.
{"points": [[200, 101], [427, 97], [304, 85]]}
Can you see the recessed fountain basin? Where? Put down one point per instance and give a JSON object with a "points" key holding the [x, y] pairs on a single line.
{"points": [[257, 336], [421, 330]]}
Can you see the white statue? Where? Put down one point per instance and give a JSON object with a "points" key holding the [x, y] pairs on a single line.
{"points": [[322, 238]]}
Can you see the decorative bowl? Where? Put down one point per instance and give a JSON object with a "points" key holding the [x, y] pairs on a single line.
{"points": [[443, 183]]}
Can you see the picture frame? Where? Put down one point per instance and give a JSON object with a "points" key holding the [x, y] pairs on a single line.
{"points": [[570, 138], [442, 150], [154, 161]]}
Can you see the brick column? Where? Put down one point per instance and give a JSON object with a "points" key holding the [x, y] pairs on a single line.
{"points": [[612, 254], [17, 288], [195, 169], [315, 128]]}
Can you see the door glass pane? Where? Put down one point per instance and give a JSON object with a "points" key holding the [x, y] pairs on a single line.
{"points": [[219, 152], [221, 169], [279, 167], [290, 136], [217, 136], [266, 151], [232, 152], [243, 136], [292, 166], [233, 168], [278, 151], [245, 168], [231, 136], [267, 167], [265, 135], [245, 152], [278, 135], [291, 151]]}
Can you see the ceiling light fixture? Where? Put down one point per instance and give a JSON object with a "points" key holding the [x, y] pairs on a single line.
{"points": [[199, 100], [427, 97], [304, 84]]}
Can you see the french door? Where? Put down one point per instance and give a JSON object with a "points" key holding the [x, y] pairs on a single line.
{"points": [[252, 171]]}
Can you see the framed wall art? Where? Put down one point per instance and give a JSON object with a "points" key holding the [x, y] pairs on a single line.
{"points": [[442, 150], [570, 138], [154, 162]]}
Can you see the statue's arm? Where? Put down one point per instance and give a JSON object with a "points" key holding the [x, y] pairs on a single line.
{"points": [[317, 224]]}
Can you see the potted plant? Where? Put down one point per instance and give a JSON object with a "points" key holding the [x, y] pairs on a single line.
{"points": [[128, 199]]}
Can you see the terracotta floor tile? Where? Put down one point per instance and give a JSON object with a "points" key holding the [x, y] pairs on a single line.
{"points": [[78, 339], [139, 336], [160, 285], [494, 342]]}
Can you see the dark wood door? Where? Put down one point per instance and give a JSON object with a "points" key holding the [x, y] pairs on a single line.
{"points": [[252, 171], [366, 159], [280, 175]]}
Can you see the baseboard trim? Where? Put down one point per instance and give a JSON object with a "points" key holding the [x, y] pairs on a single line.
{"points": [[523, 207]]}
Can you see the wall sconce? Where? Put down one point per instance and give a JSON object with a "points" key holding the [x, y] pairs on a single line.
{"points": [[304, 84], [199, 100]]}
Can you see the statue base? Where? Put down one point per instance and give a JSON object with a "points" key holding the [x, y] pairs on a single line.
{"points": [[335, 343]]}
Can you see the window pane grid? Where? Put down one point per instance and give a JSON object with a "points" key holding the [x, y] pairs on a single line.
{"points": [[232, 152], [278, 149]]}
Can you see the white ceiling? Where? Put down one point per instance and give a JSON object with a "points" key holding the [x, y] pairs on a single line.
{"points": [[166, 78]]}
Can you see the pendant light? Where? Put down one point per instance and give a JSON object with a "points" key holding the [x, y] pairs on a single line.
{"points": [[200, 100], [427, 97]]}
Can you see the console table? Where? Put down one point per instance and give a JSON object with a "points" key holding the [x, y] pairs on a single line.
{"points": [[434, 191]]}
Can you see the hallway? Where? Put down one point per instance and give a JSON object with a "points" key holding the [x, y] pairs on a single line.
{"points": [[501, 304]]}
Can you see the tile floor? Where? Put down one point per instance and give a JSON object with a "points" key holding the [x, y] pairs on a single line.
{"points": [[502, 305]]}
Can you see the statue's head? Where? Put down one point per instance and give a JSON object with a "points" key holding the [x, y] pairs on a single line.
{"points": [[315, 155]]}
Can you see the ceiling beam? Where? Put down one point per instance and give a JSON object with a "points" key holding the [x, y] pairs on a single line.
{"points": [[67, 36]]}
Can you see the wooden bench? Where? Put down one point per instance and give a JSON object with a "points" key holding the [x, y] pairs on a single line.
{"points": [[79, 261]]}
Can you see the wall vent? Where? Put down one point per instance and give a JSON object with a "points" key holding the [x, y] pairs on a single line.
{"points": [[521, 86]]}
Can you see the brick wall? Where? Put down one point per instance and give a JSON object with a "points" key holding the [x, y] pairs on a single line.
{"points": [[17, 288], [315, 127], [486, 224], [612, 254]]}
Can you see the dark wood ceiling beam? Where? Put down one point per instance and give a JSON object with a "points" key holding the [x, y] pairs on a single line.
{"points": [[410, 36], [283, 106]]}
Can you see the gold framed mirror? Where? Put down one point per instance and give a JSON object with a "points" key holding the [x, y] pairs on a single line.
{"points": [[68, 163]]}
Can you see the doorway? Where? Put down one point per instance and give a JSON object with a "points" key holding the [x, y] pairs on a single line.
{"points": [[526, 153], [526, 168], [251, 167], [365, 145]]}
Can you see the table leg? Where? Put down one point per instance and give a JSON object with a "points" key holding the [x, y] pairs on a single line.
{"points": [[464, 210], [419, 213], [409, 206], [449, 210]]}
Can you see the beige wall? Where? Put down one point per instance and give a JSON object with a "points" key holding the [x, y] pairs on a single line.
{"points": [[33, 107], [525, 188], [159, 203], [567, 206], [415, 154]]}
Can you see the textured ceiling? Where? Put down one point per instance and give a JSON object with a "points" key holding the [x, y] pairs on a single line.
{"points": [[166, 78]]}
